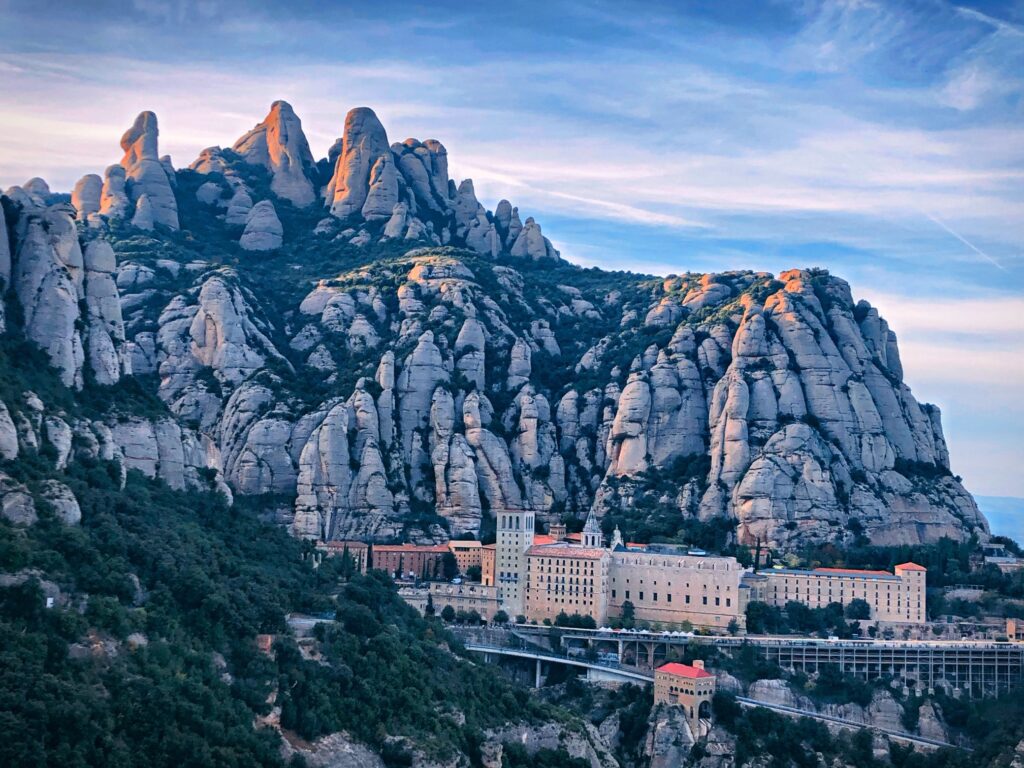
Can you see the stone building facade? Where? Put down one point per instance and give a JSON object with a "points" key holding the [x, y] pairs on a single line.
{"points": [[897, 597], [409, 561], [467, 554], [667, 585], [672, 586], [689, 687], [461, 597], [514, 537]]}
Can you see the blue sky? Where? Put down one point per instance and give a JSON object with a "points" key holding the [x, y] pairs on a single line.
{"points": [[881, 140]]}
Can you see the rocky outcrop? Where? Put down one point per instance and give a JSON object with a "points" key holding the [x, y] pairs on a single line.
{"points": [[263, 230], [48, 277], [669, 738], [279, 145], [530, 243], [583, 745], [114, 201], [62, 501], [106, 352], [85, 197], [436, 387], [364, 146], [144, 172], [16, 504]]}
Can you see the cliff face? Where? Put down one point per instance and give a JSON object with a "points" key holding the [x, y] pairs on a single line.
{"points": [[387, 358]]}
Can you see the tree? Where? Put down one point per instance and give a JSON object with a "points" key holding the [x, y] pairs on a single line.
{"points": [[348, 567], [575, 621], [429, 610], [448, 614], [473, 573], [858, 609], [734, 626], [449, 566], [500, 618], [763, 619], [628, 614]]}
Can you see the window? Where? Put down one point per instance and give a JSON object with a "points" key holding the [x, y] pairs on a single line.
{"points": [[704, 600]]}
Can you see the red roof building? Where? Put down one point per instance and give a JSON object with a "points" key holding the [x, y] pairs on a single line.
{"points": [[684, 670]]}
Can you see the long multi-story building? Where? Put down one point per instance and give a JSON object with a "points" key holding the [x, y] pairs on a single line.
{"points": [[663, 584], [672, 585], [897, 597], [570, 578], [409, 561]]}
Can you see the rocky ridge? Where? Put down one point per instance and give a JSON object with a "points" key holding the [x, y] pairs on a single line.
{"points": [[404, 362]]}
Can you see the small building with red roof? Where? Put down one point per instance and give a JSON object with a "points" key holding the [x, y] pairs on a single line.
{"points": [[688, 686]]}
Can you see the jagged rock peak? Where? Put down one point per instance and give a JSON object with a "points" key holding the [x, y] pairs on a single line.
{"points": [[145, 172], [279, 144], [364, 142]]}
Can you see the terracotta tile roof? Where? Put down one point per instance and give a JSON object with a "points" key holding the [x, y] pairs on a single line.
{"points": [[911, 567], [858, 571], [425, 548], [541, 539], [566, 550], [684, 670]]}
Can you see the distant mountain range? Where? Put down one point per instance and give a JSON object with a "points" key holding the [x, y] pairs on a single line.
{"points": [[1005, 515]]}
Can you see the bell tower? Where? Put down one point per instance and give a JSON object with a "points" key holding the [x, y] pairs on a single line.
{"points": [[592, 536], [514, 537]]}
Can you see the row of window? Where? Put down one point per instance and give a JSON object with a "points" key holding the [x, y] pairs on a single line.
{"points": [[686, 598]]}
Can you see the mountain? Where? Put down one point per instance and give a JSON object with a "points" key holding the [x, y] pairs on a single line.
{"points": [[361, 349], [1005, 515]]}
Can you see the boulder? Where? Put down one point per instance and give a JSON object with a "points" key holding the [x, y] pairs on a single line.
{"points": [[16, 505], [63, 501], [530, 243], [85, 197], [145, 216], [263, 230], [114, 201]]}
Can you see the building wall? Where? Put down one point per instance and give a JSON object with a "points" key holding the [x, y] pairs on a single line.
{"points": [[897, 598], [461, 597], [488, 554], [574, 583], [671, 589], [515, 536], [410, 559], [467, 554], [357, 550], [686, 692]]}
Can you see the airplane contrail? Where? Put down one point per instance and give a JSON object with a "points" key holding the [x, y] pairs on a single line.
{"points": [[963, 240]]}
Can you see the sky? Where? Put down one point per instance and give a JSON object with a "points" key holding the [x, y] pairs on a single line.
{"points": [[881, 140]]}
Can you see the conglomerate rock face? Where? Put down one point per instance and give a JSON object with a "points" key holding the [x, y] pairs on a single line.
{"points": [[406, 363]]}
